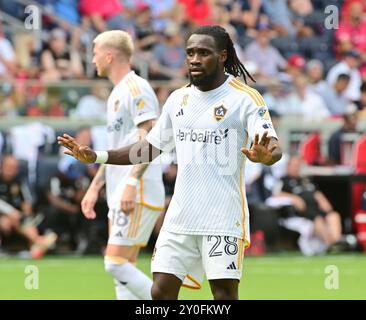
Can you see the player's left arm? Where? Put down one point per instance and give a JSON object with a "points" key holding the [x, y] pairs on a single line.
{"points": [[265, 150], [128, 199]]}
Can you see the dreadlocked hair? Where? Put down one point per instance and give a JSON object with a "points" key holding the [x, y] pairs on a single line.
{"points": [[223, 41]]}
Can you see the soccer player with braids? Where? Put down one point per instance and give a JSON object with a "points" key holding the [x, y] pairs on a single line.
{"points": [[215, 123]]}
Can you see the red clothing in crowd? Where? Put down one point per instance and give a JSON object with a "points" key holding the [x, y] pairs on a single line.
{"points": [[197, 11], [356, 34], [105, 8]]}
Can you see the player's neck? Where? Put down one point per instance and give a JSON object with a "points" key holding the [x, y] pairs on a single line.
{"points": [[118, 72], [217, 82]]}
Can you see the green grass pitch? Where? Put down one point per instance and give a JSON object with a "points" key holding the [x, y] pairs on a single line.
{"points": [[268, 277]]}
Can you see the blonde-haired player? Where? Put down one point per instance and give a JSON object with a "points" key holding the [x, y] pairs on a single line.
{"points": [[135, 194]]}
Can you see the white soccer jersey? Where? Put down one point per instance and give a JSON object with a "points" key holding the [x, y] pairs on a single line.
{"points": [[131, 102], [208, 130]]}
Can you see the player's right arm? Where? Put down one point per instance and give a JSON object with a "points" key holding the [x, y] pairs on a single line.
{"points": [[91, 196], [160, 138], [136, 153]]}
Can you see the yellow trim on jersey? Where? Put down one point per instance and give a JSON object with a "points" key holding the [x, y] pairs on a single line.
{"points": [[138, 220], [198, 285], [140, 245], [151, 207], [116, 259], [134, 87], [145, 204], [251, 94], [132, 222], [132, 90], [254, 94], [241, 253], [243, 85], [242, 199], [185, 86], [242, 196]]}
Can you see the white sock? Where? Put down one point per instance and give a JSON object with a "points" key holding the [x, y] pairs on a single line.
{"points": [[122, 293], [135, 281]]}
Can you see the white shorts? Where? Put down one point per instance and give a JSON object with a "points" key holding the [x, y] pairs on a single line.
{"points": [[189, 257], [133, 229]]}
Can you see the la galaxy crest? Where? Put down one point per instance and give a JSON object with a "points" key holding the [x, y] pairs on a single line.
{"points": [[220, 112]]}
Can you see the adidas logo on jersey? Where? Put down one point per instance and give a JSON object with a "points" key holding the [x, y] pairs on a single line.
{"points": [[119, 234], [232, 266], [180, 113], [206, 136]]}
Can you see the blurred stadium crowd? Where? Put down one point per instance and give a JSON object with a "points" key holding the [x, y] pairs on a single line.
{"points": [[303, 67]]}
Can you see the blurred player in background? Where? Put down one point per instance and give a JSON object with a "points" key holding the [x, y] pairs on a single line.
{"points": [[135, 194], [16, 209], [214, 118]]}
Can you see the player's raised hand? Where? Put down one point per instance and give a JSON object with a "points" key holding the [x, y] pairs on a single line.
{"points": [[80, 152], [260, 150]]}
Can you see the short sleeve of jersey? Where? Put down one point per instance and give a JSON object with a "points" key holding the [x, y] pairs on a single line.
{"points": [[257, 119], [161, 135], [144, 107]]}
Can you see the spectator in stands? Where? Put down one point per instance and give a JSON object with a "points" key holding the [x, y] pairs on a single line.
{"points": [[16, 208], [310, 203], [349, 65], [65, 192], [350, 120], [67, 10], [247, 15], [351, 33], [145, 35], [221, 17], [362, 103], [145, 38], [103, 15], [301, 11], [7, 57], [304, 102], [169, 56], [315, 73], [275, 97], [279, 17], [295, 67], [93, 105], [267, 58], [59, 63], [162, 13], [333, 96], [197, 13], [27, 54]]}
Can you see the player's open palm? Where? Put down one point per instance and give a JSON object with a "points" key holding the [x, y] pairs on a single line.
{"points": [[260, 150], [80, 152], [88, 203]]}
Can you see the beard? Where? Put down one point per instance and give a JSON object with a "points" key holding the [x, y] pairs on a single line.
{"points": [[205, 79]]}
